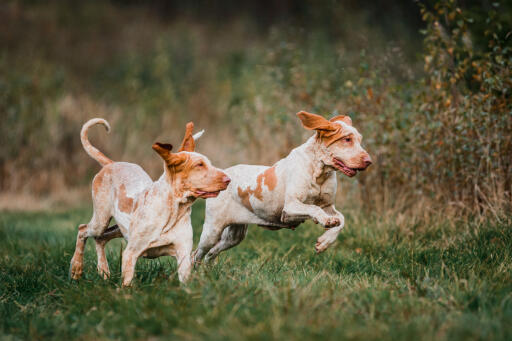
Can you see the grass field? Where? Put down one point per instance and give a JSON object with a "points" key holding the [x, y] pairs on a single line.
{"points": [[378, 282]]}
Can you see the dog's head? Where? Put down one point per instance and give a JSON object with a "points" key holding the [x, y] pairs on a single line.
{"points": [[193, 172], [340, 143]]}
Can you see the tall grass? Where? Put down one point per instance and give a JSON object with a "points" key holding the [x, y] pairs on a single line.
{"points": [[380, 282]]}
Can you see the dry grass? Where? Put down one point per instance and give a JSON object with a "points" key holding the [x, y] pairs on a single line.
{"points": [[435, 152]]}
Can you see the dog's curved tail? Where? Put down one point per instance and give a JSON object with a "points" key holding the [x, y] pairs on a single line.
{"points": [[89, 148]]}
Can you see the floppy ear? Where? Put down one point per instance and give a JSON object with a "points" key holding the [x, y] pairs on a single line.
{"points": [[163, 149], [342, 118], [171, 159], [314, 122], [176, 159], [188, 144]]}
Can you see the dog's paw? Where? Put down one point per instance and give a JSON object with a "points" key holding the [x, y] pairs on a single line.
{"points": [[127, 284], [324, 241], [331, 222], [104, 273], [76, 270], [197, 257]]}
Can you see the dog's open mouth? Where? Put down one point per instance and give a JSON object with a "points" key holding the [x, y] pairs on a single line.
{"points": [[339, 165], [204, 194]]}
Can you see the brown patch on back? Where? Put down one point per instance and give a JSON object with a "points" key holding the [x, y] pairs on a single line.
{"points": [[125, 203], [244, 195], [268, 177], [99, 179]]}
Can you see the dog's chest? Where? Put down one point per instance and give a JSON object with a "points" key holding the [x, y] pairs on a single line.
{"points": [[320, 194]]}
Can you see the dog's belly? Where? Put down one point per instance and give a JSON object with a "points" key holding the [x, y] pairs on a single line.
{"points": [[271, 218], [270, 213], [123, 221], [159, 251]]}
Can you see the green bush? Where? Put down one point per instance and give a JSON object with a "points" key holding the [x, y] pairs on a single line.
{"points": [[462, 135], [440, 136]]}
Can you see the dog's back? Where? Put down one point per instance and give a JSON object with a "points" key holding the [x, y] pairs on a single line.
{"points": [[117, 187]]}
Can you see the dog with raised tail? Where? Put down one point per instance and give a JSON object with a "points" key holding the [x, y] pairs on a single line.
{"points": [[154, 217], [299, 187]]}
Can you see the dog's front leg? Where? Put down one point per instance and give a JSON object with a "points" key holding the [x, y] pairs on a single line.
{"points": [[296, 211], [184, 257], [183, 246], [330, 236]]}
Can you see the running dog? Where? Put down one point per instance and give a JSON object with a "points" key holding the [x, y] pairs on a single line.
{"points": [[154, 217], [299, 187]]}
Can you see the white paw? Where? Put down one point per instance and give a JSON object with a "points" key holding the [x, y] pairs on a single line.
{"points": [[324, 241]]}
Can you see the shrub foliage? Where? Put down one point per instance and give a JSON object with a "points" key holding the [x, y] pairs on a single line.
{"points": [[440, 135]]}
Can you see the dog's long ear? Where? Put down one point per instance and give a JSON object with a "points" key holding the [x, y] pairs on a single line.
{"points": [[342, 118], [315, 122], [175, 160], [163, 149], [188, 144], [171, 159]]}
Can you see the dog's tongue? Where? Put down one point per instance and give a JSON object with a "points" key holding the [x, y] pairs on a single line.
{"points": [[345, 169], [204, 194]]}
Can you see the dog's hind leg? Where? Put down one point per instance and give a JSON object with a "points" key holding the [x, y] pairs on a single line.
{"points": [[77, 262], [109, 234], [99, 222], [231, 236], [211, 234]]}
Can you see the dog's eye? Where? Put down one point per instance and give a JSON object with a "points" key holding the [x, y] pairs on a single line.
{"points": [[200, 164], [348, 139]]}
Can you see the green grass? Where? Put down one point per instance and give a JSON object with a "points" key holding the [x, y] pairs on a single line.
{"points": [[378, 282]]}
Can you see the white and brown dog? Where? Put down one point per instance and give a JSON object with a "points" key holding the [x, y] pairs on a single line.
{"points": [[154, 217], [299, 187]]}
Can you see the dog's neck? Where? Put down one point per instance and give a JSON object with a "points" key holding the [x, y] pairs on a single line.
{"points": [[173, 186], [311, 154], [170, 187]]}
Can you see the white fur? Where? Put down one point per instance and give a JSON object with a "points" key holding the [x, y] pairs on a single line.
{"points": [[198, 134], [154, 217], [305, 189]]}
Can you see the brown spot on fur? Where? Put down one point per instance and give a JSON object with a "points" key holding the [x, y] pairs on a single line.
{"points": [[268, 177], [125, 203], [99, 179], [244, 195], [257, 192]]}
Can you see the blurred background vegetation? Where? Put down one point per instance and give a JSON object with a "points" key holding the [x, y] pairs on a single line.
{"points": [[427, 83]]}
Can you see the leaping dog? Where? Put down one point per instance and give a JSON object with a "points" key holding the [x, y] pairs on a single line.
{"points": [[299, 187]]}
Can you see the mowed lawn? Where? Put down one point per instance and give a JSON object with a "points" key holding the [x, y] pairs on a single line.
{"points": [[378, 282]]}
